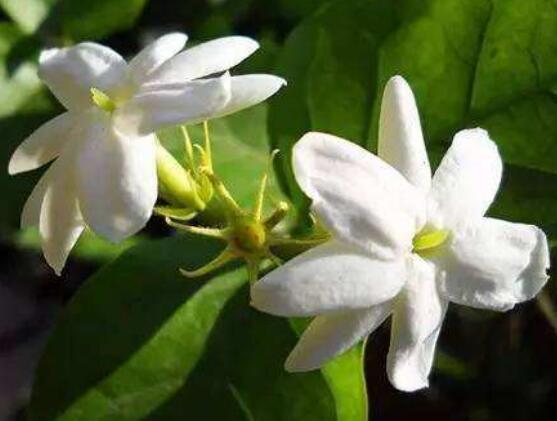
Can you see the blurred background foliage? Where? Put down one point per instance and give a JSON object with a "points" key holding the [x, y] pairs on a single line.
{"points": [[474, 62]]}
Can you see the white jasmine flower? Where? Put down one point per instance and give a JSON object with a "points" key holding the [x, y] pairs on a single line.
{"points": [[403, 243], [104, 175]]}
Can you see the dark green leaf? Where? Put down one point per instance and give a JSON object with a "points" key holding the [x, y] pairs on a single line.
{"points": [[23, 107], [89, 247], [240, 151], [477, 63], [139, 341]]}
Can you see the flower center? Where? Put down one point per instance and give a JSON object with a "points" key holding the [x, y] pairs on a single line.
{"points": [[248, 236], [102, 100], [427, 240]]}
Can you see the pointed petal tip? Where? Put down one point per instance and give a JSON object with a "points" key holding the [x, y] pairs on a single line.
{"points": [[397, 83], [249, 42], [179, 36], [55, 263], [258, 296], [47, 54], [397, 80], [20, 163], [177, 39], [295, 364], [478, 136], [277, 81], [476, 133], [399, 91], [308, 138], [13, 166], [545, 254], [406, 383]]}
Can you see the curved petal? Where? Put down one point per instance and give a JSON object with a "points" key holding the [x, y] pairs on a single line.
{"points": [[331, 277], [205, 59], [31, 214], [70, 73], [416, 323], [169, 105], [360, 198], [249, 90], [466, 181], [61, 222], [43, 145], [117, 181], [155, 54], [332, 334], [401, 142], [495, 264]]}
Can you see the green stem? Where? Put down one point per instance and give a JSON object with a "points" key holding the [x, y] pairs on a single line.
{"points": [[175, 184]]}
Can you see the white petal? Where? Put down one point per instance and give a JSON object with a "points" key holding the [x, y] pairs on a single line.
{"points": [[466, 181], [249, 90], [31, 214], [43, 145], [169, 105], [205, 59], [401, 142], [495, 264], [155, 54], [117, 181], [71, 72], [332, 334], [359, 197], [416, 323], [328, 278], [61, 222]]}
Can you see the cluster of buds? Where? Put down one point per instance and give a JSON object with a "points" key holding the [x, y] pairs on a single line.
{"points": [[195, 190]]}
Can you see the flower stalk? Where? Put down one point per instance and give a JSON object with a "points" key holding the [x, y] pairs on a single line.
{"points": [[176, 185]]}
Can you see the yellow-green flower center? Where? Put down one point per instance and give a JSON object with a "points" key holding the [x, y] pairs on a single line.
{"points": [[248, 236], [427, 240], [102, 100]]}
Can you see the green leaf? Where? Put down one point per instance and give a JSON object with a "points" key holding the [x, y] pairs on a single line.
{"points": [[89, 247], [23, 107], [478, 63], [298, 9], [28, 14], [18, 77], [139, 341], [73, 19], [240, 152]]}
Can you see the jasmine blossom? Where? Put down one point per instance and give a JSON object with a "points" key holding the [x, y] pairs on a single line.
{"points": [[404, 244], [105, 174]]}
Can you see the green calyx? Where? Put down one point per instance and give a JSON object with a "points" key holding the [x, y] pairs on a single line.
{"points": [[198, 192], [248, 236], [102, 100], [427, 240]]}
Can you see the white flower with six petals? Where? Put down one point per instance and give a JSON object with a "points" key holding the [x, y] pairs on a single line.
{"points": [[104, 175], [403, 243]]}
